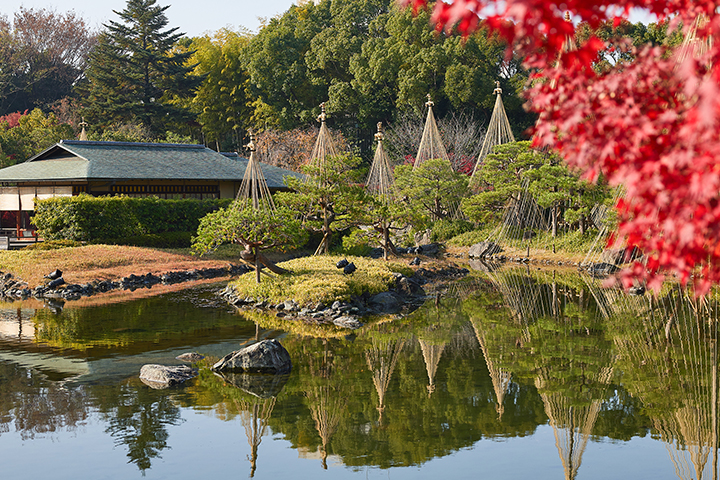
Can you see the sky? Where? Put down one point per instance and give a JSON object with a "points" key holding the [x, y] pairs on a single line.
{"points": [[193, 17]]}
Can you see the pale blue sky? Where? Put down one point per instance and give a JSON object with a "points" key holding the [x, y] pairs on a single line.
{"points": [[192, 16]]}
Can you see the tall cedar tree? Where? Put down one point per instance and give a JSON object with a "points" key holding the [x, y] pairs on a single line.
{"points": [[135, 71]]}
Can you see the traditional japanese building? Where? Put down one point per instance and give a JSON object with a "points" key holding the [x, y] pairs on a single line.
{"points": [[72, 167]]}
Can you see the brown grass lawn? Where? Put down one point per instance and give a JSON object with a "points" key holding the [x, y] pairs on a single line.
{"points": [[104, 262]]}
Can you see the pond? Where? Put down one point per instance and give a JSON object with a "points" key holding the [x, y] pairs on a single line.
{"points": [[508, 374]]}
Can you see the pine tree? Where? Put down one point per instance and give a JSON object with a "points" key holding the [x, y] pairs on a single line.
{"points": [[136, 72]]}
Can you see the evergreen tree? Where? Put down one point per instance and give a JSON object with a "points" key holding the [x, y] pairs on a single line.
{"points": [[136, 73]]}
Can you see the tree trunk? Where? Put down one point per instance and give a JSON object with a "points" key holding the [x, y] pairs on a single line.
{"points": [[257, 265], [582, 224]]}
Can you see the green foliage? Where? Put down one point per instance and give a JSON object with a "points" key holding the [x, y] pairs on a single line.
{"points": [[332, 198], [240, 223], [34, 132], [110, 219], [445, 229], [357, 243], [52, 245], [222, 102], [433, 187], [153, 240], [136, 73]]}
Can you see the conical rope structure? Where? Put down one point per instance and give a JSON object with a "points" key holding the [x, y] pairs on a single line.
{"points": [[381, 360], [324, 146], [498, 131], [254, 417], [431, 145], [692, 45], [381, 181], [254, 190]]}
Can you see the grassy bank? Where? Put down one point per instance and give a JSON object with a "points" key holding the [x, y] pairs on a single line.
{"points": [[317, 279], [106, 262]]}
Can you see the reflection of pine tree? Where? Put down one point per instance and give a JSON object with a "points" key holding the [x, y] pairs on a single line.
{"points": [[381, 357], [254, 415], [140, 421], [324, 398]]}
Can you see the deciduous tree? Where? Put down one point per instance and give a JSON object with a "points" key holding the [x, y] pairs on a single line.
{"points": [[650, 125]]}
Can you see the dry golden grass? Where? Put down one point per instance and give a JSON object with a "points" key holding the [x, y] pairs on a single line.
{"points": [[100, 262]]}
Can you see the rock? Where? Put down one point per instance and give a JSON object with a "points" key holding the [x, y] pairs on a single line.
{"points": [[257, 384], [619, 256], [415, 261], [385, 302], [266, 356], [429, 249], [192, 357], [56, 282], [484, 249], [349, 268], [347, 322], [422, 238], [162, 376], [54, 275], [342, 263], [601, 270]]}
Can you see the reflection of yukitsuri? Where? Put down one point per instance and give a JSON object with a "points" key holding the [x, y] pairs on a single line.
{"points": [[324, 400], [670, 360], [381, 360], [431, 146], [254, 416], [431, 354], [500, 376], [325, 406], [571, 424]]}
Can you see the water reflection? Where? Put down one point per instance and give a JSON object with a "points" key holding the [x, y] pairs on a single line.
{"points": [[494, 358]]}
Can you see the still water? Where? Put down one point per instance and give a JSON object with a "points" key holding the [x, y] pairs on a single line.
{"points": [[514, 374]]}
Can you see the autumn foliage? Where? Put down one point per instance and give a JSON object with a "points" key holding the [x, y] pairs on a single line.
{"points": [[650, 124]]}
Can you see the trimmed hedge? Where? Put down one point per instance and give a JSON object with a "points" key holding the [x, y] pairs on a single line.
{"points": [[85, 218]]}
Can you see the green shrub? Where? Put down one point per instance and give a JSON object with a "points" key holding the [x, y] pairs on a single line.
{"points": [[52, 245], [445, 229], [112, 219], [357, 243]]}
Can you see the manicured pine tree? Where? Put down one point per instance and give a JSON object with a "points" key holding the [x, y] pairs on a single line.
{"points": [[135, 72]]}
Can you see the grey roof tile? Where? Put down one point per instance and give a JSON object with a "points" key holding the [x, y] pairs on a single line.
{"points": [[84, 160]]}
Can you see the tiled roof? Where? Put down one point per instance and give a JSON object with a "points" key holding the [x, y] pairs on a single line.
{"points": [[83, 160]]}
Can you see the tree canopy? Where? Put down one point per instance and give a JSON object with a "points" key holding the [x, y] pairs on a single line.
{"points": [[135, 72], [649, 124]]}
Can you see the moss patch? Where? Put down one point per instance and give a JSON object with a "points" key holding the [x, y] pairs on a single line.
{"points": [[318, 280]]}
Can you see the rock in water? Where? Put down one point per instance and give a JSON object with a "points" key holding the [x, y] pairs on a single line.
{"points": [[192, 357], [266, 356], [163, 376]]}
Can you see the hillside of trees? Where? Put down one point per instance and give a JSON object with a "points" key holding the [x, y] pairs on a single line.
{"points": [[140, 79]]}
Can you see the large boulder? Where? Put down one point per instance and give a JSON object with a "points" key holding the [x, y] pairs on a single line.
{"points": [[620, 256], [164, 376], [386, 302], [266, 356], [484, 249]]}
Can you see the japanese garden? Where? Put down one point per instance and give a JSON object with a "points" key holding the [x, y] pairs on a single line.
{"points": [[372, 238]]}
